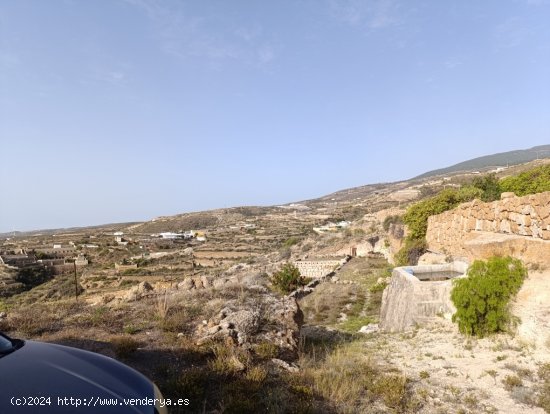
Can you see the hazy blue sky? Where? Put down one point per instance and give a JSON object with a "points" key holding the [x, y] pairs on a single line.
{"points": [[121, 110]]}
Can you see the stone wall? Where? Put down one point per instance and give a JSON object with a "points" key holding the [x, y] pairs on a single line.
{"points": [[516, 226], [319, 268]]}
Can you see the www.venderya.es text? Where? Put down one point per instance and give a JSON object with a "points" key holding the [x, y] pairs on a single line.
{"points": [[96, 402]]}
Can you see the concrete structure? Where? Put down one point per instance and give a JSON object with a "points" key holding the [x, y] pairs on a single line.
{"points": [[408, 301], [58, 252], [17, 260], [515, 226], [81, 260], [320, 267]]}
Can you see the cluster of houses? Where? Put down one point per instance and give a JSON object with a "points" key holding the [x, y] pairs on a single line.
{"points": [[169, 236], [58, 258], [332, 227]]}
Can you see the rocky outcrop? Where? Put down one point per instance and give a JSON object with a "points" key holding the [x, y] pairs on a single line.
{"points": [[257, 316], [139, 291], [274, 320]]}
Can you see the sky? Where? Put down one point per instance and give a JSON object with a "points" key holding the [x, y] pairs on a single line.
{"points": [[125, 110]]}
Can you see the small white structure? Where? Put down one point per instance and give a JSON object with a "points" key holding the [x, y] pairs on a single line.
{"points": [[81, 260], [331, 227], [172, 236]]}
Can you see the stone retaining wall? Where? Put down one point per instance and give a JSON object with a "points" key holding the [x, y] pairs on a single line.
{"points": [[318, 268], [523, 216], [516, 226]]}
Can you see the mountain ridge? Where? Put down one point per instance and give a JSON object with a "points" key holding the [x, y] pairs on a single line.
{"points": [[499, 159]]}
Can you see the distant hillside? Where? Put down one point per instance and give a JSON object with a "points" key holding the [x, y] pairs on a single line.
{"points": [[48, 232], [495, 160]]}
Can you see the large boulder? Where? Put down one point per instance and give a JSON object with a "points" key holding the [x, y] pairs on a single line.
{"points": [[139, 291], [271, 319]]}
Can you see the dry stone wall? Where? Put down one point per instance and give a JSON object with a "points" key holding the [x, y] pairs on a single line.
{"points": [[318, 268], [518, 226]]}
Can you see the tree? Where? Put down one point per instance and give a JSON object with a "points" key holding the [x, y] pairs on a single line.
{"points": [[490, 185], [288, 278]]}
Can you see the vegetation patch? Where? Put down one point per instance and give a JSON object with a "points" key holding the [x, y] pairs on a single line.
{"points": [[482, 299], [544, 387], [124, 346], [288, 279], [416, 219], [536, 180], [393, 219], [354, 323]]}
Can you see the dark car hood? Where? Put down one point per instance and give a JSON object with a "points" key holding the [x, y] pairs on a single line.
{"points": [[46, 370]]}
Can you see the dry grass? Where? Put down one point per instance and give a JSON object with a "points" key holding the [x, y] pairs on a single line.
{"points": [[543, 387], [349, 377], [512, 381], [266, 350], [124, 346], [228, 360], [162, 306]]}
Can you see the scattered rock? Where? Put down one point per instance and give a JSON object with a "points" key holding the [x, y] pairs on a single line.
{"points": [[206, 281], [285, 365], [237, 365], [370, 328], [219, 282], [186, 284]]}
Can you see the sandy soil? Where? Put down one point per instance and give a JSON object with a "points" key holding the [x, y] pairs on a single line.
{"points": [[460, 373]]}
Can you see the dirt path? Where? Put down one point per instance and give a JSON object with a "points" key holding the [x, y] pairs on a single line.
{"points": [[455, 372]]}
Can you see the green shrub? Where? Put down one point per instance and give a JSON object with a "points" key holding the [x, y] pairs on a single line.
{"points": [[532, 181], [482, 298], [490, 186], [288, 279], [416, 217], [388, 221], [378, 287], [291, 241], [411, 252], [33, 276]]}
